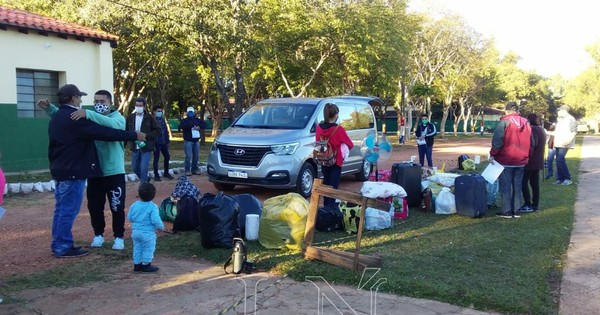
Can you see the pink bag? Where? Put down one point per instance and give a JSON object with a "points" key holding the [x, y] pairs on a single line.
{"points": [[382, 176]]}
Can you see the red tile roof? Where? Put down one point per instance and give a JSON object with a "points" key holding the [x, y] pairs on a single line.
{"points": [[26, 21]]}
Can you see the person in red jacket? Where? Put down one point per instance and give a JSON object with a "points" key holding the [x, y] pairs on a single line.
{"points": [[332, 174], [510, 147]]}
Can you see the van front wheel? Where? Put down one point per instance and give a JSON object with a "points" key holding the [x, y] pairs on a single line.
{"points": [[365, 171], [304, 182]]}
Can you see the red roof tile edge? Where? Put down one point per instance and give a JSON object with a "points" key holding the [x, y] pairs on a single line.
{"points": [[27, 20]]}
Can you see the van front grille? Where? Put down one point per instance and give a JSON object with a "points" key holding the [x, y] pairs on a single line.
{"points": [[239, 155]]}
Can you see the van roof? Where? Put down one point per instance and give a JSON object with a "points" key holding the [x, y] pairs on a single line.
{"points": [[372, 100]]}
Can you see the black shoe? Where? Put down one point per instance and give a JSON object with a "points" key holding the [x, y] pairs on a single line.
{"points": [[157, 179], [526, 209], [196, 172], [137, 267], [149, 268], [73, 252], [169, 176], [516, 214]]}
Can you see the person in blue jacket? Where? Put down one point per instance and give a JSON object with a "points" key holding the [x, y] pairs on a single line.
{"points": [[425, 132], [145, 220], [111, 185], [73, 159], [192, 127]]}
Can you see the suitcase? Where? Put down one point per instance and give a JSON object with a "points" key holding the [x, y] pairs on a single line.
{"points": [[408, 175], [470, 195]]}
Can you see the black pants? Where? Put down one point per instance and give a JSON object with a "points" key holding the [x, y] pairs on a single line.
{"points": [[331, 177], [112, 188], [164, 149], [531, 178]]}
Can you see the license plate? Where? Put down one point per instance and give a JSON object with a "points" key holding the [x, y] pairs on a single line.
{"points": [[237, 174]]}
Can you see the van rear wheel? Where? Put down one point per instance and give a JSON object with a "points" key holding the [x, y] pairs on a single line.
{"points": [[224, 187], [365, 171], [304, 182]]}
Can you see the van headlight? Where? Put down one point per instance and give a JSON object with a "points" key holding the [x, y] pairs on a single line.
{"points": [[285, 149]]}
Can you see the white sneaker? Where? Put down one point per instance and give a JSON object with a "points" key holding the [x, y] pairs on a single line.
{"points": [[118, 244], [98, 241]]}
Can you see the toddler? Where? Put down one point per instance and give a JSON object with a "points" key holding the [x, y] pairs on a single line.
{"points": [[145, 219]]}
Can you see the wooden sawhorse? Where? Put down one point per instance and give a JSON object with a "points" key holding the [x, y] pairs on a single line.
{"points": [[353, 261]]}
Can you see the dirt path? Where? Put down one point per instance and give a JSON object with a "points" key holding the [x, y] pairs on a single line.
{"points": [[25, 241]]}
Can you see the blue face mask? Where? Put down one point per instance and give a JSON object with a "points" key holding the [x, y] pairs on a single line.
{"points": [[191, 114], [159, 114]]}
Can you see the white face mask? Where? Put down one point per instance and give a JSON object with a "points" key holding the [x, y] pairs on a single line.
{"points": [[139, 110]]}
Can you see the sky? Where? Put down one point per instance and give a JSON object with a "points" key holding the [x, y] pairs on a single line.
{"points": [[550, 36]]}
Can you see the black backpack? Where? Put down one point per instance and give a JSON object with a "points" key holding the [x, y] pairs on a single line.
{"points": [[329, 218], [461, 159], [187, 214]]}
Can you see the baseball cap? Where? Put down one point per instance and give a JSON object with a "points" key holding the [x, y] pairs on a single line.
{"points": [[190, 109], [564, 107], [512, 106], [70, 90]]}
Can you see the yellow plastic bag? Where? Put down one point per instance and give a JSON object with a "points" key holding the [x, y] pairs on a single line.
{"points": [[283, 222], [469, 165]]}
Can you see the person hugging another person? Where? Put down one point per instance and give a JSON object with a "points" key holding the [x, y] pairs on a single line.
{"points": [[145, 220], [425, 132], [337, 135]]}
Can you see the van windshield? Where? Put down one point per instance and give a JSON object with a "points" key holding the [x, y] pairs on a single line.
{"points": [[276, 116]]}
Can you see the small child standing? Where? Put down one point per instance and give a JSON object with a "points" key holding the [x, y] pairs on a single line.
{"points": [[145, 220]]}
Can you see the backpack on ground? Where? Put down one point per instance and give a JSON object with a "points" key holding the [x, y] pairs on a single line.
{"points": [[324, 153], [187, 214], [167, 210], [461, 159], [329, 218]]}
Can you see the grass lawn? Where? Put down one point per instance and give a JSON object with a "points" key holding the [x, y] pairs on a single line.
{"points": [[508, 266]]}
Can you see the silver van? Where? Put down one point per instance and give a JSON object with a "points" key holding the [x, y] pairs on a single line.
{"points": [[271, 144]]}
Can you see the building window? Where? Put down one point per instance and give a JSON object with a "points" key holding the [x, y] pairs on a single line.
{"points": [[33, 85]]}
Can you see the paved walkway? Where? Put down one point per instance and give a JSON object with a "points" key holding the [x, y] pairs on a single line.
{"points": [[580, 288]]}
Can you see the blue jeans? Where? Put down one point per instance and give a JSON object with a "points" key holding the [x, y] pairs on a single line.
{"points": [[425, 150], [68, 196], [140, 161], [144, 244], [191, 149], [550, 161], [562, 170], [511, 183]]}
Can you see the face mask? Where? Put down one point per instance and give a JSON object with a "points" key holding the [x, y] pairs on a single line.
{"points": [[101, 108], [191, 114], [424, 121], [139, 110], [159, 114]]}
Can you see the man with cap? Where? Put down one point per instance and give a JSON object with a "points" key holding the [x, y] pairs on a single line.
{"points": [[192, 127], [141, 120], [564, 139], [510, 147], [73, 158], [111, 186]]}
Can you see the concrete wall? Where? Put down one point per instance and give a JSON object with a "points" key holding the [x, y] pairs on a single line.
{"points": [[24, 141]]}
